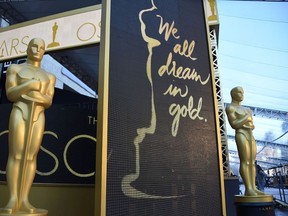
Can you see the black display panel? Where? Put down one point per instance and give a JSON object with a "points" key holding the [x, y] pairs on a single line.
{"points": [[162, 133]]}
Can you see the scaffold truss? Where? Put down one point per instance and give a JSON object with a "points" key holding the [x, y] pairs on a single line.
{"points": [[268, 113], [220, 103]]}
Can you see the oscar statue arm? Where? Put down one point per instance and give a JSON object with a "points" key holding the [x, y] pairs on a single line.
{"points": [[250, 120], [14, 91], [45, 98], [235, 121], [50, 91]]}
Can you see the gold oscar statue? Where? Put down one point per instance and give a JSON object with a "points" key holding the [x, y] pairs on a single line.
{"points": [[212, 4], [31, 90], [240, 119], [54, 31]]}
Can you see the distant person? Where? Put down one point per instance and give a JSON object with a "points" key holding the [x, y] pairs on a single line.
{"points": [[240, 119], [31, 90], [260, 177]]}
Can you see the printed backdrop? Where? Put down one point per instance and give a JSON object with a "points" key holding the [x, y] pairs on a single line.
{"points": [[162, 138]]}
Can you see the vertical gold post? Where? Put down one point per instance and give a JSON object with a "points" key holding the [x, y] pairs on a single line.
{"points": [[221, 173], [102, 115]]}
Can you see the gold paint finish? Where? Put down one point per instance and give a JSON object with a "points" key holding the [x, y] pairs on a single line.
{"points": [[38, 212], [254, 199], [213, 16], [31, 89], [54, 31], [102, 115], [240, 119]]}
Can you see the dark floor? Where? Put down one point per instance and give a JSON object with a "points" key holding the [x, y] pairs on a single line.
{"points": [[277, 194], [281, 212]]}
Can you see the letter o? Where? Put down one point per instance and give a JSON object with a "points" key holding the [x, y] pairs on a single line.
{"points": [[83, 29], [65, 155], [50, 154]]}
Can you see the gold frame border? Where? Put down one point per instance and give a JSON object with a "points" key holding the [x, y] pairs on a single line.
{"points": [[102, 113], [217, 122]]}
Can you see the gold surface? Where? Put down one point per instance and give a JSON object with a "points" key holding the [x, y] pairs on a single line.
{"points": [[75, 200], [39, 212], [15, 37], [102, 115], [240, 119], [254, 199], [31, 90]]}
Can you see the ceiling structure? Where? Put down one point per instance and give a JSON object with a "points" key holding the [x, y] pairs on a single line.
{"points": [[83, 62]]}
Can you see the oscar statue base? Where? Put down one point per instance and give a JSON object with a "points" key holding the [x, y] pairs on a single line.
{"points": [[38, 212], [261, 205]]}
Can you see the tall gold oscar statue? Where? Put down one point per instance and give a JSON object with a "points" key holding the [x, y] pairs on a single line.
{"points": [[31, 89], [240, 119]]}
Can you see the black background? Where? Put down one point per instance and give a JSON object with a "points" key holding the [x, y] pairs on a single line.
{"points": [[186, 165]]}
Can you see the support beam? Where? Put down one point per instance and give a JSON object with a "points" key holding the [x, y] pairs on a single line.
{"points": [[268, 113]]}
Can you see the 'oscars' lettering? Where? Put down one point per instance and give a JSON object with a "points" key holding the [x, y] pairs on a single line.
{"points": [[4, 49], [86, 31], [65, 155], [15, 46], [53, 155]]}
